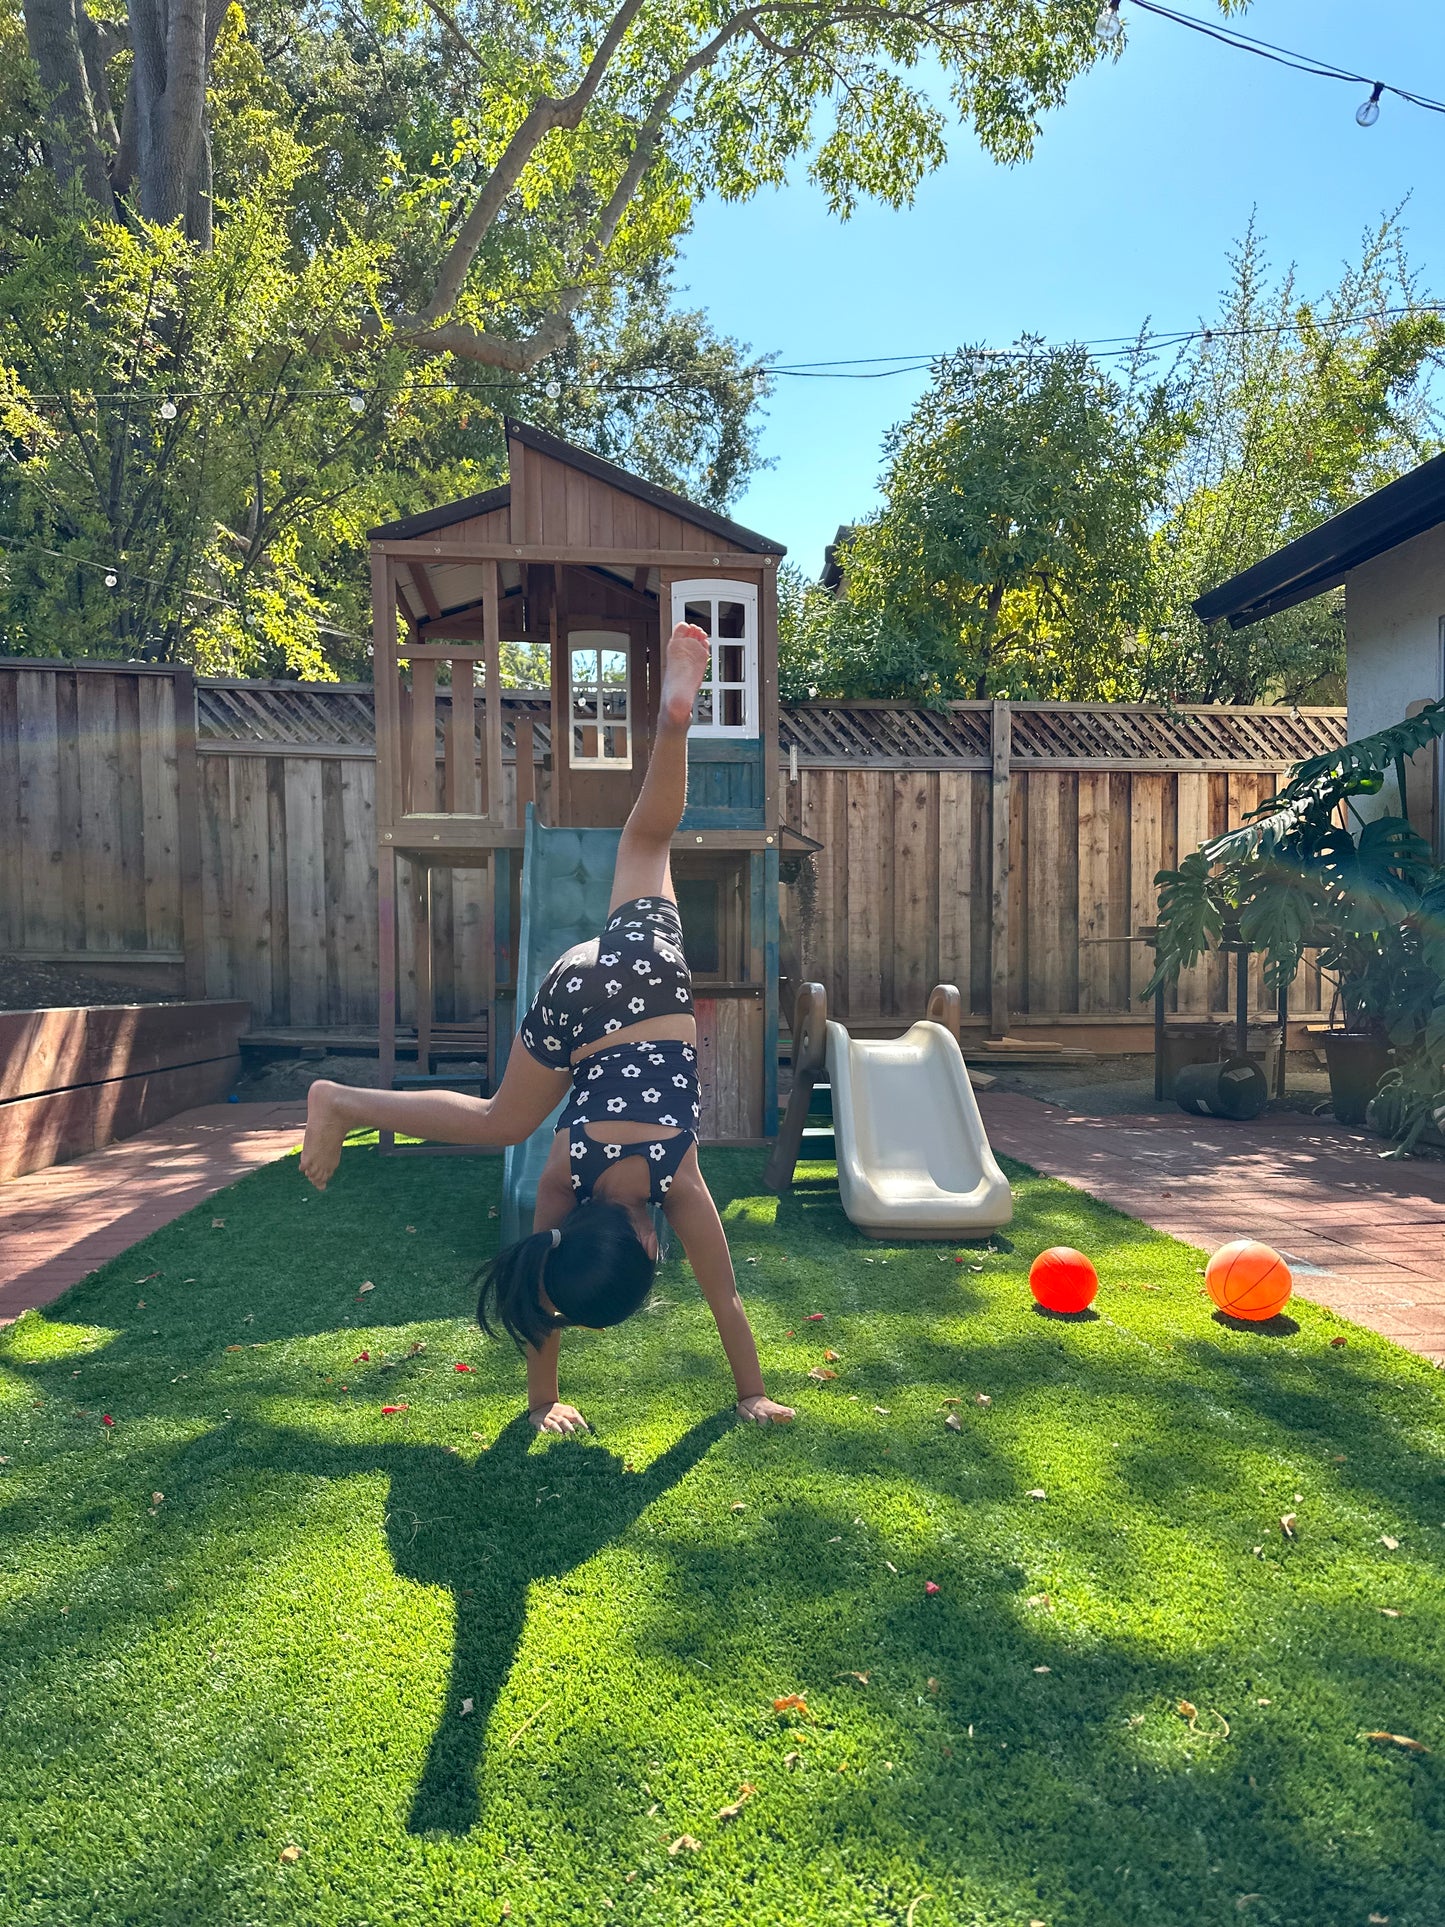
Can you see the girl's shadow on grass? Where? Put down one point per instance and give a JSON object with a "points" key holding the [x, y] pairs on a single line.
{"points": [[485, 1530]]}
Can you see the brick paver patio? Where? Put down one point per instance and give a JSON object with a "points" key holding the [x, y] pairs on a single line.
{"points": [[1363, 1235], [57, 1225]]}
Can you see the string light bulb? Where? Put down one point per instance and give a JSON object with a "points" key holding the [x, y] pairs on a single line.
{"points": [[357, 404], [111, 578], [168, 411], [553, 390], [1368, 111], [1108, 27]]}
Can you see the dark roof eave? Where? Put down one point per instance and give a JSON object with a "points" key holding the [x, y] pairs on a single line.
{"points": [[443, 517], [1322, 559]]}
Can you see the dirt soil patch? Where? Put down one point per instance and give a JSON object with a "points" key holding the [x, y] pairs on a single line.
{"points": [[26, 984]]}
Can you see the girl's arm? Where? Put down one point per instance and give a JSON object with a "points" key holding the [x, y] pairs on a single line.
{"points": [[544, 1401], [693, 1215]]}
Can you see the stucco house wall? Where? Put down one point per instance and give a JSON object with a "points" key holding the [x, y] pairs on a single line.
{"points": [[1394, 608], [1395, 654]]}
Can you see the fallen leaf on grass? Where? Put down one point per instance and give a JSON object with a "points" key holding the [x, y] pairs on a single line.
{"points": [[832, 1357], [157, 1498], [1399, 1739], [684, 1843], [822, 1373], [461, 1368], [1043, 1669], [792, 1759], [362, 1358], [1187, 1709], [387, 1410], [1388, 1611], [290, 1855], [218, 1224], [814, 1317], [235, 1348], [1036, 1492], [792, 1703], [953, 1401], [930, 1586], [466, 1708], [954, 1422], [862, 1678], [739, 1505], [411, 1228], [982, 1398], [106, 1419], [1378, 1920], [1390, 1545], [140, 1304], [884, 1411], [745, 1793], [1246, 1900], [933, 1685], [891, 1567], [362, 1289], [1337, 1342], [1287, 1524]]}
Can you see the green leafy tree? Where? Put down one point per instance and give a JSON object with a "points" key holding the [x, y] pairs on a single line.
{"points": [[1296, 408], [445, 211], [1011, 556]]}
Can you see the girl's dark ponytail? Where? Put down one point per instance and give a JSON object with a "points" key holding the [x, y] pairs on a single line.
{"points": [[594, 1268], [511, 1291]]}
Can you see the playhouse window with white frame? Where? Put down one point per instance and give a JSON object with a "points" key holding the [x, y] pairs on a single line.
{"points": [[599, 699], [727, 703]]}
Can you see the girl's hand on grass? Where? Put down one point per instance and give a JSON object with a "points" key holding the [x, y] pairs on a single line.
{"points": [[557, 1417], [761, 1410]]}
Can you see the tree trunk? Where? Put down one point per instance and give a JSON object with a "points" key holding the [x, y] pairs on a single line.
{"points": [[74, 137]]}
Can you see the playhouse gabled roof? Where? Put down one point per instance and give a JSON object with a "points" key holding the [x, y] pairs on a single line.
{"points": [[732, 533]]}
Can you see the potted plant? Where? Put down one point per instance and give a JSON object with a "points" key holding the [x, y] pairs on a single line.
{"points": [[1309, 872]]}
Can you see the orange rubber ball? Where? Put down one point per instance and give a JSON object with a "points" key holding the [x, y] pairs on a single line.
{"points": [[1248, 1280], [1062, 1279]]}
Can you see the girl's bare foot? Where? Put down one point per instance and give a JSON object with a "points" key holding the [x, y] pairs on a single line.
{"points": [[684, 665], [325, 1132]]}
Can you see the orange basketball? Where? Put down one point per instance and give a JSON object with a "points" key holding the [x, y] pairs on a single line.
{"points": [[1063, 1279], [1248, 1280]]}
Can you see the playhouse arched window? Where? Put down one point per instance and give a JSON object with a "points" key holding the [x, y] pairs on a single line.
{"points": [[727, 703], [600, 699]]}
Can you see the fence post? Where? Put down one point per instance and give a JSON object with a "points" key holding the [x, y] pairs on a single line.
{"points": [[1000, 805], [188, 798]]}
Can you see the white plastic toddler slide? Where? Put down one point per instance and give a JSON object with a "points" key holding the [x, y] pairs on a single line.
{"points": [[913, 1158]]}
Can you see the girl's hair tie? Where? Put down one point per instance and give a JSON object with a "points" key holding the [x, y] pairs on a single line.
{"points": [[556, 1237]]}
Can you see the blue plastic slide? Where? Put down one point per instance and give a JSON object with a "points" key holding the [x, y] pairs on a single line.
{"points": [[566, 887]]}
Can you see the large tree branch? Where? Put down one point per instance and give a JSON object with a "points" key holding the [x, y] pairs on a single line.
{"points": [[426, 332], [547, 114]]}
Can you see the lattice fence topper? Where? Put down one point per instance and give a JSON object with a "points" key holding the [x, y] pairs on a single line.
{"points": [[341, 715], [1058, 732], [336, 715]]}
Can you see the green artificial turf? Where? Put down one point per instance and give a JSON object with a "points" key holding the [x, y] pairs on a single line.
{"points": [[279, 1652]]}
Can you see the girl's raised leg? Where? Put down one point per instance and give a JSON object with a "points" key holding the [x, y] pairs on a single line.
{"points": [[644, 866]]}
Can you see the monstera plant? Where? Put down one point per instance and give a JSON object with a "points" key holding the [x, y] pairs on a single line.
{"points": [[1309, 872]]}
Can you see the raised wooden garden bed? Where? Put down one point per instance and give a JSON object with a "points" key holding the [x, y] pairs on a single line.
{"points": [[74, 1080]]}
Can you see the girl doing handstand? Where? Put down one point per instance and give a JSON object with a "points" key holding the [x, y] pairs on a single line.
{"points": [[613, 1021]]}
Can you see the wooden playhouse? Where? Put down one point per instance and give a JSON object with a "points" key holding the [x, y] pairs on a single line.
{"points": [[576, 570]]}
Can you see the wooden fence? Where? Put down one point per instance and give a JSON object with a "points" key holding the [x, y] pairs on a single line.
{"points": [[1010, 848]]}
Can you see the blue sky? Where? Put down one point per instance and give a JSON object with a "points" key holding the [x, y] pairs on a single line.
{"points": [[1137, 189]]}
